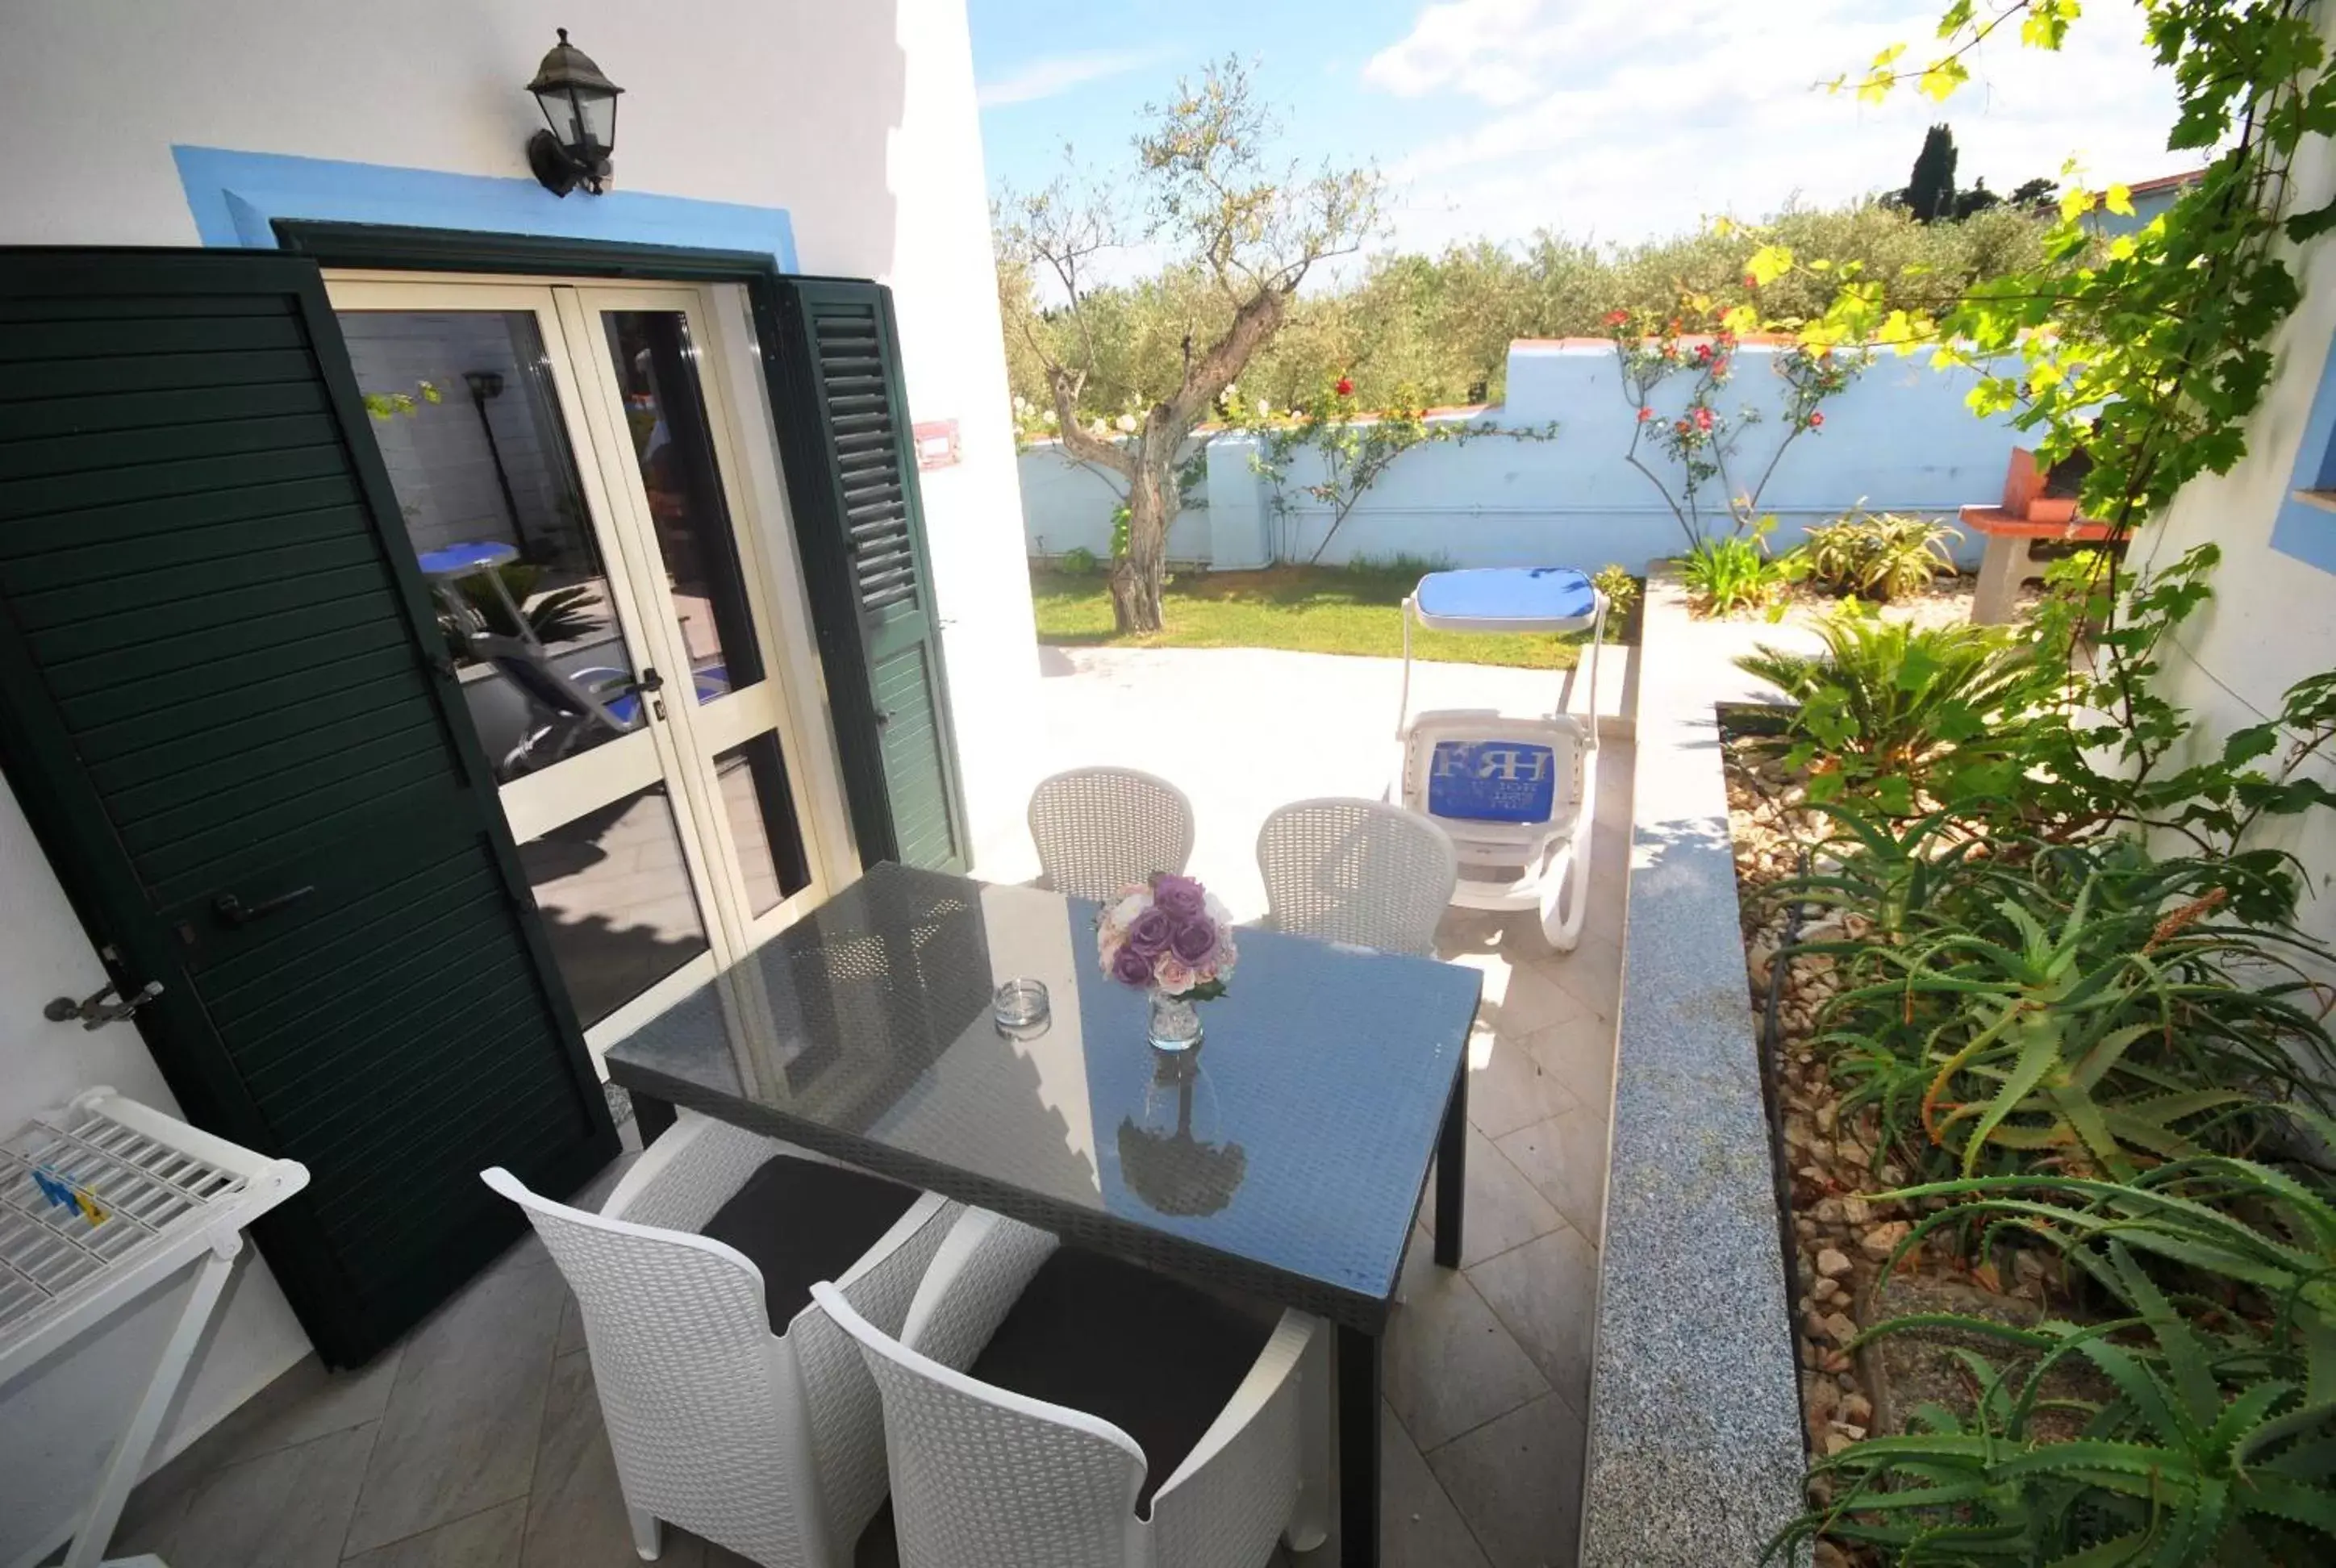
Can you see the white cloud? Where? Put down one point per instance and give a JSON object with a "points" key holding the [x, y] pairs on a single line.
{"points": [[1059, 73], [1625, 122], [1485, 48]]}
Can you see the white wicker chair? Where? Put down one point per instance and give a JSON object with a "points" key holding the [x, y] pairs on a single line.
{"points": [[1357, 871], [1101, 828], [770, 1445], [985, 1478]]}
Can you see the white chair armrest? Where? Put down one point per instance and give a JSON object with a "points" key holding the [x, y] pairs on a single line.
{"points": [[839, 1397], [883, 1284], [1267, 1377], [974, 1281], [1239, 1488]]}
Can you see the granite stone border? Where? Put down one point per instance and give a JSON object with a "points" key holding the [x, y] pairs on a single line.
{"points": [[1695, 1454]]}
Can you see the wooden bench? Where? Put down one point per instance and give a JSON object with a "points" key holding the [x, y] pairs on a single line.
{"points": [[2007, 562]]}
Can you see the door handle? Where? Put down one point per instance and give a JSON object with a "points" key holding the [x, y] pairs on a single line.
{"points": [[233, 911]]}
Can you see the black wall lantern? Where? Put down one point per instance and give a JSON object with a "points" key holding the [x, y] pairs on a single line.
{"points": [[579, 104]]}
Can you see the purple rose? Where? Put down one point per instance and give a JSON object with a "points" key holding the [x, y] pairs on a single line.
{"points": [[1181, 897], [1131, 968], [1149, 932], [1194, 940]]}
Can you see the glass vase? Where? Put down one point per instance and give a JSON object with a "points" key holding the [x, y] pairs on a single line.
{"points": [[1175, 1022]]}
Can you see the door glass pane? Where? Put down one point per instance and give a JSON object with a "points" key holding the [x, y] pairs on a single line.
{"points": [[673, 440], [762, 822], [616, 899], [469, 424]]}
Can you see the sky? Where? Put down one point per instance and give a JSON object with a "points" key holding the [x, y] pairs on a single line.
{"points": [[1613, 120]]}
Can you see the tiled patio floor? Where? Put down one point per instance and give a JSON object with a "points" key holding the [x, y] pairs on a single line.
{"points": [[478, 1442]]}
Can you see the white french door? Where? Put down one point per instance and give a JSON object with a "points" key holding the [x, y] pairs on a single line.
{"points": [[569, 472]]}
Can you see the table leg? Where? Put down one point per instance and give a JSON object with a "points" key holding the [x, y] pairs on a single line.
{"points": [[1358, 1448], [651, 1115], [1451, 1170]]}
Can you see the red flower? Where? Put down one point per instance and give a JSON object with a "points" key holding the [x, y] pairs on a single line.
{"points": [[1816, 418], [1720, 365], [1703, 352], [1645, 415], [1344, 388], [1750, 281], [1616, 318], [1683, 427], [1703, 419]]}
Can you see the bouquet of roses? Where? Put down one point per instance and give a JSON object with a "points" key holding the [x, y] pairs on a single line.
{"points": [[1169, 935]]}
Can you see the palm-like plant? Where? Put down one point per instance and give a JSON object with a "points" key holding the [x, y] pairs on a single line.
{"points": [[1881, 555], [1895, 714]]}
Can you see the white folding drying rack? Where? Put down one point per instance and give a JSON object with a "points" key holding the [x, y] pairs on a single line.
{"points": [[102, 1202]]}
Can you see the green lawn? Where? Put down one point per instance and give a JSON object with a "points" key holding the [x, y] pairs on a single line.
{"points": [[1308, 609]]}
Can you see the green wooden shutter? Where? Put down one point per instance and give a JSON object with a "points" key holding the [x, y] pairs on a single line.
{"points": [[852, 479], [228, 714]]}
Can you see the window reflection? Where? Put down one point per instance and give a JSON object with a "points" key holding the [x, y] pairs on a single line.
{"points": [[762, 822], [673, 440], [616, 899], [469, 424]]}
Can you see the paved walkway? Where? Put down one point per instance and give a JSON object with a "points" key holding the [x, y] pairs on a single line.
{"points": [[478, 1443], [1487, 1370]]}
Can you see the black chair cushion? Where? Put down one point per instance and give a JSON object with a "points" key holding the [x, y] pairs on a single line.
{"points": [[802, 1222], [1155, 1358]]}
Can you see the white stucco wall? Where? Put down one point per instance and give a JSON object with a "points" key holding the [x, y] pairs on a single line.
{"points": [[857, 120], [1902, 438], [2273, 618]]}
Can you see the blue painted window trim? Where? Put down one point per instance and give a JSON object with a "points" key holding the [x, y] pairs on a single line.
{"points": [[237, 197], [2302, 531]]}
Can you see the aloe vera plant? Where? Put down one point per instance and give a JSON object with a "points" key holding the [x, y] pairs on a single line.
{"points": [[2213, 1439], [2084, 1006]]}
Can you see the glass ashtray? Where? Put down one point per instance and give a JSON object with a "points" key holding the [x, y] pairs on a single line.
{"points": [[1020, 1009]]}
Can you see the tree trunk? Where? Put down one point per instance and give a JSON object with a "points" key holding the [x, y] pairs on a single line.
{"points": [[1138, 577]]}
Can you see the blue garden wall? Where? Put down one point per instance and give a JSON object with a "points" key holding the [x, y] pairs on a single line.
{"points": [[1900, 438]]}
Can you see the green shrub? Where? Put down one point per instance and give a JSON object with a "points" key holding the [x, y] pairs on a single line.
{"points": [[1403, 566], [1899, 717], [1736, 571], [1078, 562], [1620, 588], [1879, 555]]}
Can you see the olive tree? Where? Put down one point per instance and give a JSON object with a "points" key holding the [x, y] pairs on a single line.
{"points": [[1206, 194]]}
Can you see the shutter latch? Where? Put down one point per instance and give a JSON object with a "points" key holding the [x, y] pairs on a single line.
{"points": [[96, 1012]]}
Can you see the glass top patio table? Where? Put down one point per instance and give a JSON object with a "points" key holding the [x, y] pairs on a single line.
{"points": [[1287, 1159]]}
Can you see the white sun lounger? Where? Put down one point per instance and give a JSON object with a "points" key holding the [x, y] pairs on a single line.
{"points": [[1517, 794]]}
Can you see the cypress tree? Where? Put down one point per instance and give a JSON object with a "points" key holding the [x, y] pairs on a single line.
{"points": [[1929, 192]]}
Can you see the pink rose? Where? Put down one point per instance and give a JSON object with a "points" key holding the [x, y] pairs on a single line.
{"points": [[1174, 975]]}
